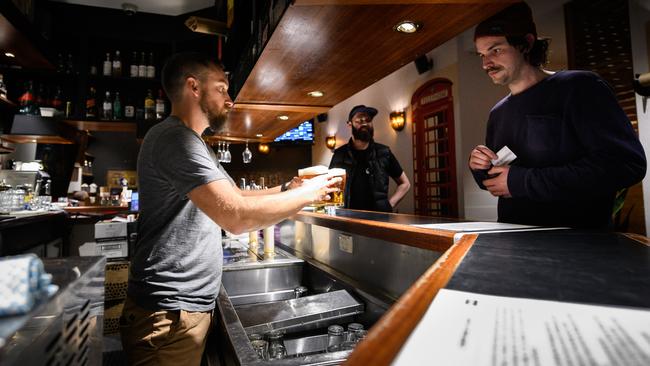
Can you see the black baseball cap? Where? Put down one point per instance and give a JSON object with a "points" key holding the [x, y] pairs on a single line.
{"points": [[515, 20], [370, 111]]}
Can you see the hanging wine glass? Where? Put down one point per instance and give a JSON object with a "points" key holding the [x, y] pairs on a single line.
{"points": [[219, 153], [247, 155], [228, 156]]}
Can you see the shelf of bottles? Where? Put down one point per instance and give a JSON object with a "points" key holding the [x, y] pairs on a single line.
{"points": [[113, 95]]}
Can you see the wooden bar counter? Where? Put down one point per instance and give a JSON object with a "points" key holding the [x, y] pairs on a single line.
{"points": [[589, 267]]}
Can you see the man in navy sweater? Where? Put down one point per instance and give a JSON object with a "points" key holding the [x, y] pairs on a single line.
{"points": [[574, 145]]}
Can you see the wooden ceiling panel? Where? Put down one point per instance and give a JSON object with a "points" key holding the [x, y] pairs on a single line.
{"points": [[246, 121], [340, 50]]}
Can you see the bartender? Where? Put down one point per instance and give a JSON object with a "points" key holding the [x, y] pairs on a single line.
{"points": [[185, 200]]}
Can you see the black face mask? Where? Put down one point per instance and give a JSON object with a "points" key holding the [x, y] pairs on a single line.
{"points": [[363, 133]]}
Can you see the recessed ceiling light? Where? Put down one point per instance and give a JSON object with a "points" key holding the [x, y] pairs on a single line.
{"points": [[316, 93], [9, 54], [407, 26], [283, 117], [259, 135]]}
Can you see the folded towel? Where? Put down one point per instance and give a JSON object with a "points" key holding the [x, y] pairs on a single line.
{"points": [[23, 283]]}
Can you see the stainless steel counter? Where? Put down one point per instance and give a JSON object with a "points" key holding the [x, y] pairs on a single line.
{"points": [[66, 329]]}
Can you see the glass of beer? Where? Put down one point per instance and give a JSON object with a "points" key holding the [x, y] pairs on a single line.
{"points": [[337, 199], [311, 172]]}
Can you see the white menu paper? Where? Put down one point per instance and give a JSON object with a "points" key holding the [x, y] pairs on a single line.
{"points": [[462, 328]]}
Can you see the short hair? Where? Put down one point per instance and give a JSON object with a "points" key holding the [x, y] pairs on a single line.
{"points": [[180, 66], [536, 55]]}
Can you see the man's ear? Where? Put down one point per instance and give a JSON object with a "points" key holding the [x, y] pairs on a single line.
{"points": [[193, 84]]}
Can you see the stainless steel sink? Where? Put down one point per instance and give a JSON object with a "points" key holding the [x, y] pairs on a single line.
{"points": [[251, 278]]}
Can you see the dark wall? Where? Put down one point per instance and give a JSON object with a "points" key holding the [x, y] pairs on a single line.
{"points": [[280, 165], [112, 151]]}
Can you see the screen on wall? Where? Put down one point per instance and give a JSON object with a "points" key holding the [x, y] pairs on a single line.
{"points": [[303, 133]]}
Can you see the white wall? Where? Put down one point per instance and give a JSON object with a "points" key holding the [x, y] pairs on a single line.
{"points": [[391, 93], [639, 20]]}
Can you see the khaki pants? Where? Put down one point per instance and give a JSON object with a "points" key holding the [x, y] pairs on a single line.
{"points": [[163, 337]]}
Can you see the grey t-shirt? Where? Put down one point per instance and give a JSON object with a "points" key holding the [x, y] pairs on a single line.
{"points": [[177, 259]]}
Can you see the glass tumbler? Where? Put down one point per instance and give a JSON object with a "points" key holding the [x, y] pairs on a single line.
{"points": [[277, 351]]}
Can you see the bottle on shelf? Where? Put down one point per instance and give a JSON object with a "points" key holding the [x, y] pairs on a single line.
{"points": [[133, 70], [108, 65], [142, 67], [40, 98], [160, 106], [149, 107], [151, 69], [117, 107], [117, 64], [60, 66], [107, 107], [129, 110], [57, 101], [27, 105], [3, 88], [69, 68], [91, 104]]}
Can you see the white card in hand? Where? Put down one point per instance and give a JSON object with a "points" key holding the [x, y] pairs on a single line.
{"points": [[505, 156]]}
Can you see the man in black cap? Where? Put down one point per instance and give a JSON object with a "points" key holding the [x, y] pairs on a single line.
{"points": [[574, 145], [368, 165]]}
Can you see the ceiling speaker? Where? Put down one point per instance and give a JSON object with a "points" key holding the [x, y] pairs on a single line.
{"points": [[423, 64]]}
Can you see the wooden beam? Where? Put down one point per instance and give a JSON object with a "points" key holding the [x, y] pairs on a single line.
{"points": [[282, 107]]}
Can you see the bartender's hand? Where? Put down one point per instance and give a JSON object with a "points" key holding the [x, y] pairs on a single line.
{"points": [[294, 183], [319, 187], [480, 158], [498, 186]]}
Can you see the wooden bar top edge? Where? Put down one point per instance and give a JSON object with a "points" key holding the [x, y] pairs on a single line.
{"points": [[431, 239], [389, 334]]}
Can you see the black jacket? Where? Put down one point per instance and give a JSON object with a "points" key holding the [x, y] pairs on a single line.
{"points": [[378, 160]]}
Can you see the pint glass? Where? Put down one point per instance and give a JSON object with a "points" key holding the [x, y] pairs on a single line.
{"points": [[311, 172], [337, 198]]}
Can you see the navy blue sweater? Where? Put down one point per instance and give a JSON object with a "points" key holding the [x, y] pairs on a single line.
{"points": [[575, 148]]}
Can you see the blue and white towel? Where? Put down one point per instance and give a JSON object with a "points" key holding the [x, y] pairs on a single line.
{"points": [[23, 283]]}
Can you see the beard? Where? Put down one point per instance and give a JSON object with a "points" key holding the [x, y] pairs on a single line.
{"points": [[216, 116], [364, 133]]}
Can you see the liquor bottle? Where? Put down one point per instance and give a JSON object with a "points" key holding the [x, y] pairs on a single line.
{"points": [[142, 67], [107, 107], [91, 104], [108, 65], [160, 106], [149, 107], [57, 101], [151, 69], [3, 88], [69, 68], [60, 66], [134, 65], [27, 99], [117, 64], [129, 110], [40, 98], [117, 107]]}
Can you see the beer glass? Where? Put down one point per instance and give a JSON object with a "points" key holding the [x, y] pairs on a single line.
{"points": [[337, 199], [311, 172]]}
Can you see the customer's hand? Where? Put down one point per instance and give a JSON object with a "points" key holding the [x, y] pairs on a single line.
{"points": [[498, 186], [319, 187], [480, 158]]}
